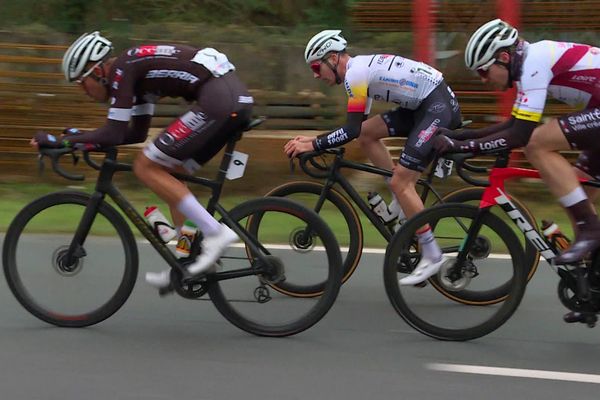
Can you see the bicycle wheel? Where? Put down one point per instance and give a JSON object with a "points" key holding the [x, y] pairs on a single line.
{"points": [[472, 195], [432, 313], [349, 231], [84, 292], [249, 302]]}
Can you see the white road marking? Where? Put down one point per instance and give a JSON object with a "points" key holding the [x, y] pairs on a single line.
{"points": [[515, 372], [366, 250]]}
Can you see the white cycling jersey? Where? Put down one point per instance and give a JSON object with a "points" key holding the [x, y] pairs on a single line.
{"points": [[389, 78], [569, 72]]}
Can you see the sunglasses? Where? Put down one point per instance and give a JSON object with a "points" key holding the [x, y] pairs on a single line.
{"points": [[87, 73], [315, 67], [484, 70]]}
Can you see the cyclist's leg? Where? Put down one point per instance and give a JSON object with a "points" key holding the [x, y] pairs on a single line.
{"points": [[587, 167], [193, 139], [378, 127], [396, 122], [440, 109], [542, 152]]}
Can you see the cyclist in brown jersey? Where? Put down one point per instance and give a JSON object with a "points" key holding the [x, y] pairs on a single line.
{"points": [[132, 83]]}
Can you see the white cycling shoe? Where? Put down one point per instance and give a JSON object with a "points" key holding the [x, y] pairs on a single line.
{"points": [[423, 271], [212, 249], [159, 280]]}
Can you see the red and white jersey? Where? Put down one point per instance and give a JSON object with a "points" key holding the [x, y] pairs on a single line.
{"points": [[569, 72]]}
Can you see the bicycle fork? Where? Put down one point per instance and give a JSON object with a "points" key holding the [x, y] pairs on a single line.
{"points": [[76, 250]]}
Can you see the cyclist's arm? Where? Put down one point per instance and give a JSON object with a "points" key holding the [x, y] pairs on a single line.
{"points": [[359, 106], [114, 133], [340, 136], [465, 134], [514, 136]]}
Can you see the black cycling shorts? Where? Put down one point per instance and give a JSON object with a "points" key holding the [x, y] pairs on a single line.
{"points": [[223, 107], [439, 109], [582, 131]]}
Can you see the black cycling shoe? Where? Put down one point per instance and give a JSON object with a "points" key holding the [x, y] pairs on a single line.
{"points": [[573, 316], [588, 242], [588, 318]]}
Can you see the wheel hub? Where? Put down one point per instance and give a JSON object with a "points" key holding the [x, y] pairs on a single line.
{"points": [[60, 264], [454, 278], [302, 240]]}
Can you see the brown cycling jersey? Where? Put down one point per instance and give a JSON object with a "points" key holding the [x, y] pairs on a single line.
{"points": [[137, 79]]}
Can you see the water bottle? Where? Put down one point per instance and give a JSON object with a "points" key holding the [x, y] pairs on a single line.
{"points": [[160, 224], [379, 207], [554, 236], [188, 233]]}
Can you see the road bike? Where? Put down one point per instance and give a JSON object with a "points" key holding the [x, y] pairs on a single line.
{"points": [[71, 259], [331, 199], [483, 253]]}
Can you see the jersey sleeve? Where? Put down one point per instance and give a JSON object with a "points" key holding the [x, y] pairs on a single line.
{"points": [[122, 93], [357, 85], [532, 89]]}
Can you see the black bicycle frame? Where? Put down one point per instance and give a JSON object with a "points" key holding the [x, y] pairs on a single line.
{"points": [[334, 176], [105, 186]]}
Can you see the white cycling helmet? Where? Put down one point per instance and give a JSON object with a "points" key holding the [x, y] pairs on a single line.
{"points": [[322, 43], [487, 40], [90, 47]]}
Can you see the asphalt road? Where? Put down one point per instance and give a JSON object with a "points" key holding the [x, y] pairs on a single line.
{"points": [[173, 348]]}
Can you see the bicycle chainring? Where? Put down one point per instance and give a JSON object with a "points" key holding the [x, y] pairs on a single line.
{"points": [[273, 273], [192, 290]]}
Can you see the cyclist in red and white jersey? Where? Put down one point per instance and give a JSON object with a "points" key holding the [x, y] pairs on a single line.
{"points": [[131, 83], [569, 72], [424, 103]]}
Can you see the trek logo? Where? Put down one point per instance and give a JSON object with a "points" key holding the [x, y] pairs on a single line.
{"points": [[170, 73], [593, 115], [492, 144], [530, 233]]}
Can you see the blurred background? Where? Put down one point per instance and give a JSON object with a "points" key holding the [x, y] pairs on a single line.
{"points": [[265, 39]]}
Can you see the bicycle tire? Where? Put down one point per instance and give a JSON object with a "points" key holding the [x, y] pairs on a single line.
{"points": [[353, 226], [531, 260], [24, 297], [404, 238], [323, 303]]}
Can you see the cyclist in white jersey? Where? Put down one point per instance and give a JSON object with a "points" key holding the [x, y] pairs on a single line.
{"points": [[569, 72], [424, 103]]}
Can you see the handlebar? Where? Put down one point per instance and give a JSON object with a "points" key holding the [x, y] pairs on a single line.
{"points": [[55, 154], [461, 165], [311, 157]]}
